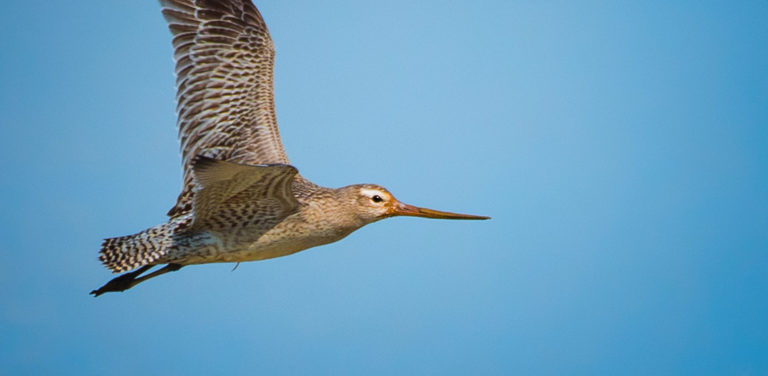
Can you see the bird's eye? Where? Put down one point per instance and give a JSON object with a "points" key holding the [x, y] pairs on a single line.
{"points": [[377, 198]]}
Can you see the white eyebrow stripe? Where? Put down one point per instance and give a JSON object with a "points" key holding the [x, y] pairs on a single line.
{"points": [[371, 192]]}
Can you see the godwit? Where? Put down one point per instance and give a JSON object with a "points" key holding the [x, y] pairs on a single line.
{"points": [[241, 200]]}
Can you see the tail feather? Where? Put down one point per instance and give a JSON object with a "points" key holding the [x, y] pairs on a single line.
{"points": [[131, 251]]}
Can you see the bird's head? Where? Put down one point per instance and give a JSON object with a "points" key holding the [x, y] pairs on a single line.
{"points": [[373, 202]]}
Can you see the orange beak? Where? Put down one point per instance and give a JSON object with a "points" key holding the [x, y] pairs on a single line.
{"points": [[414, 211]]}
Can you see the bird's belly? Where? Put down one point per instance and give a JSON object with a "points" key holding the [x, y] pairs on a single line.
{"points": [[257, 252], [266, 247], [291, 235]]}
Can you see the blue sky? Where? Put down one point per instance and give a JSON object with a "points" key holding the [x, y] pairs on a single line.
{"points": [[620, 147]]}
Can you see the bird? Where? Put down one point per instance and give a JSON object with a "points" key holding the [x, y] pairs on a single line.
{"points": [[241, 198]]}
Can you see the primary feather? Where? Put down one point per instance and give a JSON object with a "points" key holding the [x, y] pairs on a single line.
{"points": [[224, 62]]}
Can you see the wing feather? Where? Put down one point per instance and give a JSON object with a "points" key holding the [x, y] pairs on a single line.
{"points": [[231, 195], [224, 67]]}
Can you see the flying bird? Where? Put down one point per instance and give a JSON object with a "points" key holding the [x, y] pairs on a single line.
{"points": [[241, 199]]}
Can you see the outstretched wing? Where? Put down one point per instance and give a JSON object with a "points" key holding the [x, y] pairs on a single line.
{"points": [[233, 198], [224, 58]]}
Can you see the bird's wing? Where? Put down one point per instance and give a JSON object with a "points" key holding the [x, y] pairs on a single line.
{"points": [[231, 196], [224, 58]]}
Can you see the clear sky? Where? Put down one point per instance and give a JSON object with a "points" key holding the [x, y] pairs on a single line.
{"points": [[621, 148]]}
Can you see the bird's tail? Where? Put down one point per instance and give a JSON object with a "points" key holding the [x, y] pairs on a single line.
{"points": [[131, 251]]}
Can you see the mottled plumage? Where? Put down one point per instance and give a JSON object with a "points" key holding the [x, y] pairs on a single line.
{"points": [[241, 199], [224, 59]]}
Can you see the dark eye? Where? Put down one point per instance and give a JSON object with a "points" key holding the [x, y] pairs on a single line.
{"points": [[377, 198]]}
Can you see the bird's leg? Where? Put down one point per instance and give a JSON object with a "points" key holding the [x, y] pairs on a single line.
{"points": [[128, 280], [122, 282], [163, 270]]}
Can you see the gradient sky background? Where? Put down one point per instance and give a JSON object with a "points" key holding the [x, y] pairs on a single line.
{"points": [[620, 147]]}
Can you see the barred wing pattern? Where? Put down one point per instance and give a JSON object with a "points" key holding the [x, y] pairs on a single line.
{"points": [[224, 59], [230, 196]]}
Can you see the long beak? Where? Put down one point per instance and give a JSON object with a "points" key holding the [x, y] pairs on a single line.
{"points": [[414, 211]]}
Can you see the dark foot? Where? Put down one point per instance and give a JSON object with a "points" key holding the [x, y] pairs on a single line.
{"points": [[128, 280], [120, 283]]}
